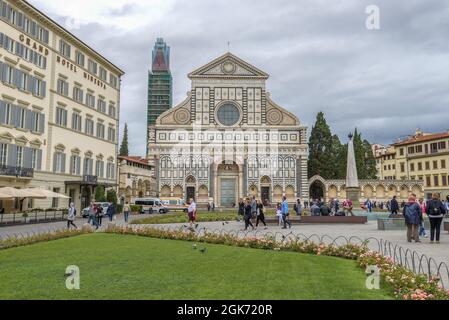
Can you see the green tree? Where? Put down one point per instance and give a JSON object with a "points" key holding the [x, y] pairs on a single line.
{"points": [[320, 149], [124, 146], [339, 152], [111, 196], [99, 194]]}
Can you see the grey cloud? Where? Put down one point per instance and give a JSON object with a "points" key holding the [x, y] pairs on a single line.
{"points": [[319, 54]]}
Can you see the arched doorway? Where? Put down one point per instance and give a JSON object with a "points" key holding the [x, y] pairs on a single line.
{"points": [[317, 190], [190, 188], [265, 190], [228, 184]]}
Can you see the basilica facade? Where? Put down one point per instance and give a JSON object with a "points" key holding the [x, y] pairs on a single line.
{"points": [[228, 139]]}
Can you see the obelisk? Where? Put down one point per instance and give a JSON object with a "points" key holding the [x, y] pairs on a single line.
{"points": [[352, 181]]}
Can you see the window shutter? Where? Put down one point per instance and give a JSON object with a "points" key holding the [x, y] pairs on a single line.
{"points": [[41, 123], [63, 157], [30, 84], [12, 155], [27, 157], [66, 89], [39, 160], [78, 165], [55, 155], [2, 112], [15, 116], [44, 89]]}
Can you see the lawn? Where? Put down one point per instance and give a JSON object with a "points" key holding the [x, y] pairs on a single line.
{"points": [[202, 216], [132, 267]]}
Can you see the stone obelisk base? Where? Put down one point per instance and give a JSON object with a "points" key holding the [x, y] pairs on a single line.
{"points": [[353, 194]]}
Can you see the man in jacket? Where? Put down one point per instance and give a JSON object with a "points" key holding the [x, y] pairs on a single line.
{"points": [[285, 214], [111, 211], [253, 207], [413, 217], [394, 205]]}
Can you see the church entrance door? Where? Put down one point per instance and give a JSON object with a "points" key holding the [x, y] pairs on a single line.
{"points": [[190, 193], [228, 192], [265, 195]]}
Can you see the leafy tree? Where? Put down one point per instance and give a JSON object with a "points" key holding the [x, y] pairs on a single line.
{"points": [[99, 194], [111, 196], [124, 146]]}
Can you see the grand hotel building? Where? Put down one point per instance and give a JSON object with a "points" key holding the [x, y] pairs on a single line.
{"points": [[228, 139], [59, 109]]}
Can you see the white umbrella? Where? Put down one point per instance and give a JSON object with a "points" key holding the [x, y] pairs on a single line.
{"points": [[19, 193], [44, 193]]}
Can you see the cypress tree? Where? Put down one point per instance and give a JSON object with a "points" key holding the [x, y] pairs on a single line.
{"points": [[321, 151], [124, 152]]}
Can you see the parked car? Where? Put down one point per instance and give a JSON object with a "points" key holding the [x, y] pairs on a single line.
{"points": [[104, 207], [151, 205]]}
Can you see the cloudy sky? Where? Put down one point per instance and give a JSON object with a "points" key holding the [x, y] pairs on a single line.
{"points": [[319, 54]]}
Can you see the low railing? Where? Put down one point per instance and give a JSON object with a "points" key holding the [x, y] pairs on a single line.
{"points": [[16, 171], [33, 217]]}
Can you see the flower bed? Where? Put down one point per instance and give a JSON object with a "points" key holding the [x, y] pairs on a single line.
{"points": [[405, 284]]}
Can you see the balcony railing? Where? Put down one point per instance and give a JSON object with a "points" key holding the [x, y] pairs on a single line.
{"points": [[18, 172], [90, 179]]}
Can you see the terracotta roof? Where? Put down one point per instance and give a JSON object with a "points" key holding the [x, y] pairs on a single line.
{"points": [[423, 138], [135, 159]]}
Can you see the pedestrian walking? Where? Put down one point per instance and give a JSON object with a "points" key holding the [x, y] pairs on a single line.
{"points": [[394, 205], [285, 213], [253, 208], [99, 214], [422, 229], [191, 211], [111, 212], [297, 207], [369, 205], [126, 210], [241, 211], [248, 214], [413, 217], [279, 213], [260, 214], [435, 211], [92, 215], [71, 216]]}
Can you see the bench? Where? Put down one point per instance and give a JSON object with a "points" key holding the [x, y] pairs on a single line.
{"points": [[321, 220]]}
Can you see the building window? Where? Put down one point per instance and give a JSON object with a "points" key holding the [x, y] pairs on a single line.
{"points": [[92, 66], [103, 74], [427, 165], [36, 159], [78, 94], [113, 81], [100, 130], [419, 166], [79, 58], [436, 181], [63, 87], [89, 126], [402, 167], [59, 162], [90, 100], [88, 166], [428, 184], [101, 105], [99, 170], [76, 121], [111, 134], [61, 117], [75, 165], [419, 149], [412, 167], [64, 49], [112, 111], [444, 181], [19, 158], [443, 164], [411, 150], [110, 170], [401, 151], [435, 165]]}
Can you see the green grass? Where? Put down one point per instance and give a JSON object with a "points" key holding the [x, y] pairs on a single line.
{"points": [[202, 216], [132, 267]]}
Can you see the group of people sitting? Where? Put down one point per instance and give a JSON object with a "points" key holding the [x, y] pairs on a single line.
{"points": [[320, 208]]}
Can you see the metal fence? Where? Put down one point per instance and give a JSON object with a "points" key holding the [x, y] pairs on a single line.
{"points": [[33, 217]]}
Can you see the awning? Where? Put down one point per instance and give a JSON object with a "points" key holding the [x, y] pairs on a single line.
{"points": [[20, 193], [47, 193]]}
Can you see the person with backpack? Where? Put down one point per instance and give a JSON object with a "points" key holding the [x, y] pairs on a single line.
{"points": [[285, 214], [394, 205], [413, 217], [435, 211], [241, 211], [71, 216]]}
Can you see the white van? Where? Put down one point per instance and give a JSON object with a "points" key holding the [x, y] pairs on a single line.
{"points": [[151, 205]]}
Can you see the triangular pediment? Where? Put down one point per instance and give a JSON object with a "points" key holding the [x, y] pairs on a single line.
{"points": [[228, 66]]}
